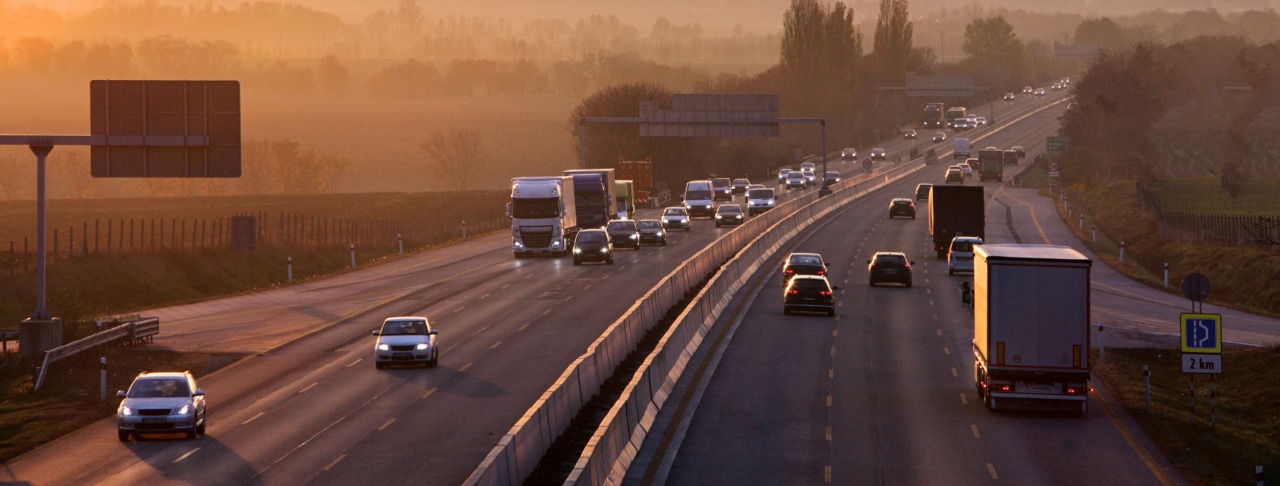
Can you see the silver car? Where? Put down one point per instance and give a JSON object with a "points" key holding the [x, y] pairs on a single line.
{"points": [[159, 403], [675, 217], [406, 340], [960, 256]]}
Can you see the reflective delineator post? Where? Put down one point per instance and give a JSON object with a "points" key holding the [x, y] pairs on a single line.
{"points": [[1102, 342], [1166, 275], [102, 388], [289, 260], [1121, 252], [1095, 233], [400, 242], [353, 255], [464, 229]]}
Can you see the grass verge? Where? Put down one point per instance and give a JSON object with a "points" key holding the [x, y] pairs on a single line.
{"points": [[1247, 431]]}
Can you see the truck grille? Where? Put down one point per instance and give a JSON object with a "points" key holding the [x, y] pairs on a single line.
{"points": [[536, 239]]}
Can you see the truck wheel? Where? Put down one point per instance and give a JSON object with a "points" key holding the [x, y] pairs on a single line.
{"points": [[577, 261], [124, 436], [610, 261]]}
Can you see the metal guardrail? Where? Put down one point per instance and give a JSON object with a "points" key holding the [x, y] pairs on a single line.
{"points": [[133, 332]]}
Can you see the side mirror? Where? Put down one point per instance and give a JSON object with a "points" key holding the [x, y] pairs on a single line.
{"points": [[835, 287], [199, 392], [375, 332], [120, 393], [434, 332], [868, 261]]}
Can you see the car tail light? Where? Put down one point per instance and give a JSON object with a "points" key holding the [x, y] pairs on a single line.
{"points": [[825, 292], [793, 292], [1005, 388], [822, 272], [789, 271]]}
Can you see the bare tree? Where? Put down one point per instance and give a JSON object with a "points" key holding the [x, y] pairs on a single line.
{"points": [[456, 154]]}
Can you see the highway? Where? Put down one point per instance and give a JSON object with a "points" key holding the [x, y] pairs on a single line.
{"points": [[307, 405]]}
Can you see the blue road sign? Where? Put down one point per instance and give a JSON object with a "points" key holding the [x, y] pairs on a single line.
{"points": [[1201, 333]]}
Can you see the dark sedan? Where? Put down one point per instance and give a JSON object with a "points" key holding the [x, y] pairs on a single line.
{"points": [[651, 232], [889, 266], [729, 214], [902, 206], [809, 293], [803, 264], [623, 233]]}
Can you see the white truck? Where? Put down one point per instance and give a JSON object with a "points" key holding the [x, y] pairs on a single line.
{"points": [[1031, 327], [543, 215], [961, 146]]}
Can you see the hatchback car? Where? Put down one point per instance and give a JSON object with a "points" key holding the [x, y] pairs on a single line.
{"points": [[832, 177], [623, 233], [889, 266], [902, 206], [922, 191], [803, 264], [910, 134], [809, 293], [651, 232], [722, 189], [795, 180], [675, 217], [982, 121], [1039, 91], [954, 175], [760, 200], [960, 256], [782, 175], [849, 153], [968, 170], [406, 340], [1022, 153], [161, 403], [1009, 157], [592, 245], [729, 214], [1008, 96], [810, 176], [1027, 90], [940, 137], [740, 186], [878, 154]]}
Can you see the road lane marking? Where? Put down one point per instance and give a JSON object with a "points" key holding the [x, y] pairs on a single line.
{"points": [[946, 351], [255, 417], [939, 330], [545, 312], [455, 311], [482, 297], [828, 434], [499, 343], [334, 463], [828, 400], [465, 366], [527, 277], [831, 373], [833, 350], [387, 424], [834, 332], [587, 286], [523, 327], [964, 399], [504, 287], [953, 372], [826, 474], [992, 470], [566, 299], [353, 363], [304, 390], [1030, 209], [930, 302], [974, 428], [1133, 442], [184, 456], [429, 392]]}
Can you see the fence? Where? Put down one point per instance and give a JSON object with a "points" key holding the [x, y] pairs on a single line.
{"points": [[133, 332], [1223, 228], [138, 235]]}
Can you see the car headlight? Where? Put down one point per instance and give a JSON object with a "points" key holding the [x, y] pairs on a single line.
{"points": [[556, 243], [738, 216], [719, 216], [635, 236], [384, 347], [659, 234], [125, 411], [577, 251], [604, 250], [422, 346], [185, 409], [519, 245]]}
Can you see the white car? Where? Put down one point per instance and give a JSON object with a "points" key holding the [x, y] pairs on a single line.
{"points": [[1039, 91], [159, 403], [405, 340], [808, 166], [782, 175], [877, 154], [982, 121], [810, 177], [1027, 90], [675, 217], [849, 153], [759, 200], [795, 180], [960, 256]]}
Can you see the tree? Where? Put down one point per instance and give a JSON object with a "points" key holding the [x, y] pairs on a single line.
{"points": [[455, 154], [996, 56], [892, 47], [333, 77], [1102, 32], [673, 158]]}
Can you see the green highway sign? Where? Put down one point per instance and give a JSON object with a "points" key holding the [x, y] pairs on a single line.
{"points": [[1058, 144]]}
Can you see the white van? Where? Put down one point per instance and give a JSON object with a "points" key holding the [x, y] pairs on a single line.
{"points": [[699, 199], [759, 201]]}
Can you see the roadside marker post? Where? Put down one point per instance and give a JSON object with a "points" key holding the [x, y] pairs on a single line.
{"points": [[353, 255], [1146, 384], [289, 260], [102, 386]]}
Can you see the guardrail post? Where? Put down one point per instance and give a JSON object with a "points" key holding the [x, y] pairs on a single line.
{"points": [[1258, 474], [102, 388], [1095, 233], [353, 255], [1121, 252], [1146, 384], [464, 229], [1166, 275], [1081, 222], [289, 261], [400, 242]]}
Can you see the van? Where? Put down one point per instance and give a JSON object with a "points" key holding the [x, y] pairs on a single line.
{"points": [[699, 199], [960, 255], [759, 201]]}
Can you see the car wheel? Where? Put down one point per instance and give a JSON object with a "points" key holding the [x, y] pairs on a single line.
{"points": [[379, 365], [124, 436], [191, 434], [951, 272], [913, 216], [435, 359], [908, 284], [664, 242], [831, 312], [577, 261], [609, 261], [871, 283], [200, 428], [786, 311]]}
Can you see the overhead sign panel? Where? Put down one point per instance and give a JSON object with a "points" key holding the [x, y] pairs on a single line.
{"points": [[953, 86], [165, 128], [711, 115], [1075, 51], [1058, 144]]}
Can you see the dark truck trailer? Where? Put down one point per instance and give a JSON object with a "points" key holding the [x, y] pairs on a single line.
{"points": [[955, 211], [1031, 327], [991, 165], [594, 191]]}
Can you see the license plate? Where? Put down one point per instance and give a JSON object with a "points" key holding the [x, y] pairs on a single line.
{"points": [[154, 420], [1037, 387], [889, 272]]}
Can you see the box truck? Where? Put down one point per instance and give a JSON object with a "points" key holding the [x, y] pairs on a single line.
{"points": [[955, 211], [543, 215]]}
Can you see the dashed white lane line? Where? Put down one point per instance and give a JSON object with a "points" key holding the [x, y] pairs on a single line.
{"points": [[946, 351], [353, 363], [387, 424], [545, 312], [939, 331], [334, 463], [974, 428], [255, 417], [828, 400], [523, 327], [831, 373], [504, 287], [455, 311], [826, 474], [587, 286], [468, 365], [429, 392], [495, 345], [566, 299], [304, 390], [184, 456], [828, 434], [992, 470], [964, 399], [834, 332], [954, 373], [482, 297], [930, 302]]}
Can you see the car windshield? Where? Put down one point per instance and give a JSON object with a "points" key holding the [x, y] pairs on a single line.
{"points": [[621, 226], [760, 193], [159, 388], [728, 208], [809, 284], [649, 225], [741, 182], [674, 212], [805, 260], [719, 182], [890, 260], [404, 328], [592, 237], [965, 246], [697, 195], [548, 207], [902, 202], [833, 175], [795, 175]]}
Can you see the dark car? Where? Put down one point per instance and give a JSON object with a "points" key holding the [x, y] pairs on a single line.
{"points": [[809, 293], [651, 232], [729, 214], [624, 233], [803, 264], [833, 177], [889, 266], [1022, 153], [902, 206], [974, 164], [910, 134], [592, 245], [955, 175], [740, 186], [1009, 157], [721, 189], [922, 191]]}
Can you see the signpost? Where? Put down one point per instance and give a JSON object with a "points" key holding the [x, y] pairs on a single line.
{"points": [[1201, 338], [1057, 144]]}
